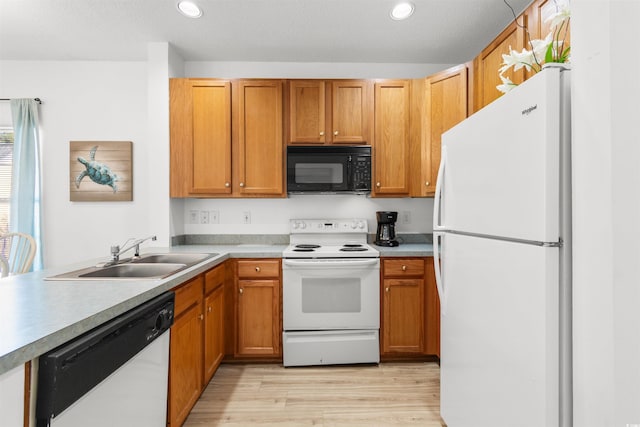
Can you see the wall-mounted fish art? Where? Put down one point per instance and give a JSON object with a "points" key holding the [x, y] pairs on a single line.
{"points": [[100, 171]]}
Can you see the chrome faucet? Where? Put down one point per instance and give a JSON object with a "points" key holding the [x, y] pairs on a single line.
{"points": [[116, 251]]}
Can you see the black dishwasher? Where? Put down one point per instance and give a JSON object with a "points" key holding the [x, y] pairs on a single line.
{"points": [[114, 370]]}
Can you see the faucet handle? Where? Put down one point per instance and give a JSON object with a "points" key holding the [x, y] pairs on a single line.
{"points": [[115, 250]]}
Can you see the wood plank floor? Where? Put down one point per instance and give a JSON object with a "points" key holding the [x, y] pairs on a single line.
{"points": [[390, 394]]}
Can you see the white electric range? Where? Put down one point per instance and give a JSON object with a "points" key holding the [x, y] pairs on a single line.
{"points": [[331, 294]]}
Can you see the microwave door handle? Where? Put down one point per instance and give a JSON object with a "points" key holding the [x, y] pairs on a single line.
{"points": [[350, 172]]}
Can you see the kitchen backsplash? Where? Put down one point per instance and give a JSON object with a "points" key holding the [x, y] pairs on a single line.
{"points": [[271, 216]]}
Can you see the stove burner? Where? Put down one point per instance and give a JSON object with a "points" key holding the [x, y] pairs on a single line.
{"points": [[353, 249], [303, 250], [352, 245], [307, 246]]}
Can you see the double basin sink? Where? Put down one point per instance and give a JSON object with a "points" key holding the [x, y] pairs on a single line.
{"points": [[147, 266]]}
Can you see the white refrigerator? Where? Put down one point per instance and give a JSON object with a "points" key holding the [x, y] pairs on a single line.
{"points": [[502, 253]]}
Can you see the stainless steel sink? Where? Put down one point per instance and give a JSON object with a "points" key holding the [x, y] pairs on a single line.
{"points": [[172, 258], [148, 266]]}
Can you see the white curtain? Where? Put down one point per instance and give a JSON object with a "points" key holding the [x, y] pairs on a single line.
{"points": [[25, 216]]}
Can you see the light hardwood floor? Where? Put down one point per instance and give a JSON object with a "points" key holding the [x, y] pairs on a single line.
{"points": [[390, 394]]}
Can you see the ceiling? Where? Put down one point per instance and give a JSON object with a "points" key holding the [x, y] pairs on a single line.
{"points": [[439, 32]]}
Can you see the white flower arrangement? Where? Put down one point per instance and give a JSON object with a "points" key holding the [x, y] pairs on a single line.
{"points": [[550, 49]]}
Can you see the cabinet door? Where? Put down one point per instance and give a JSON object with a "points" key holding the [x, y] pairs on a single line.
{"points": [[487, 64], [391, 144], [185, 369], [403, 315], [213, 332], [200, 112], [446, 106], [432, 311], [258, 314], [351, 111], [307, 112], [260, 143]]}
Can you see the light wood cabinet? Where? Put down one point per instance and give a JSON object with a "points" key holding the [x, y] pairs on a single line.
{"points": [[260, 150], [442, 104], [214, 324], [258, 308], [197, 341], [185, 367], [402, 325], [200, 129], [329, 112], [391, 139]]}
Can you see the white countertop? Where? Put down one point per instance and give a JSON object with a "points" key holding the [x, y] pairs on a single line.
{"points": [[37, 315]]}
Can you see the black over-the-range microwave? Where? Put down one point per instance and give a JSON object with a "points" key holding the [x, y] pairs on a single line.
{"points": [[329, 169]]}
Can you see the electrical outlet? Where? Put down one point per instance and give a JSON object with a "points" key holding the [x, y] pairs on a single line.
{"points": [[246, 217], [405, 217], [214, 217], [204, 217], [194, 217]]}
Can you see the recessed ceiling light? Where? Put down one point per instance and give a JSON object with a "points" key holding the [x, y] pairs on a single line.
{"points": [[402, 11], [189, 9]]}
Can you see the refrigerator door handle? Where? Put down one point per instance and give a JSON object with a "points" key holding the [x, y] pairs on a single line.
{"points": [[437, 212], [438, 237]]}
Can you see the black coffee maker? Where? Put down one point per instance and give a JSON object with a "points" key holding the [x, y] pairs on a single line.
{"points": [[386, 234]]}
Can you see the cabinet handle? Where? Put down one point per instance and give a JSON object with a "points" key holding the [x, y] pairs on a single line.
{"points": [[404, 268], [258, 269], [209, 309], [241, 291], [226, 184], [321, 133], [378, 184], [427, 183], [335, 132], [201, 317], [242, 184], [386, 289]]}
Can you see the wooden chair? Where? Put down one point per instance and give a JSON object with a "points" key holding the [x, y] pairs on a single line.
{"points": [[19, 250]]}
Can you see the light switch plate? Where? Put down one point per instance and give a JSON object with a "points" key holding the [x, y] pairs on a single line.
{"points": [[194, 217]]}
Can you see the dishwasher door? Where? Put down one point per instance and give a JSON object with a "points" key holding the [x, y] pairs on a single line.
{"points": [[115, 375]]}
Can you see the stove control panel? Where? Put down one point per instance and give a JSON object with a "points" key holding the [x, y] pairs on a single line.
{"points": [[356, 225]]}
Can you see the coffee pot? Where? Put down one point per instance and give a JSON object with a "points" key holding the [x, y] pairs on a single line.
{"points": [[386, 233]]}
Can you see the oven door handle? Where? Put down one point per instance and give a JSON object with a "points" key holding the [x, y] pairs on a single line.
{"points": [[315, 263]]}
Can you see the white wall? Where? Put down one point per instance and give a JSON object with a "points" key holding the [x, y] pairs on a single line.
{"points": [[85, 101], [606, 138], [271, 216]]}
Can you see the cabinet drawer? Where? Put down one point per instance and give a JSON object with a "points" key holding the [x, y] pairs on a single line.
{"points": [[403, 267], [259, 268], [214, 278], [187, 295]]}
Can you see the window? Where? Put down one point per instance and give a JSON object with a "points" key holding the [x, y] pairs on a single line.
{"points": [[6, 161]]}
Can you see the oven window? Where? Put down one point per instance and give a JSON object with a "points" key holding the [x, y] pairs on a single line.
{"points": [[319, 173], [326, 295]]}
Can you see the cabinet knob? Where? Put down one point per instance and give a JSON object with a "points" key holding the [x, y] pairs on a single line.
{"points": [[404, 268], [242, 184], [226, 184], [378, 184], [427, 183], [321, 133], [335, 132], [241, 291], [201, 317], [209, 309], [258, 269], [386, 289]]}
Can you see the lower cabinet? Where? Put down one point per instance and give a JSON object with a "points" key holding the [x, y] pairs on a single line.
{"points": [[197, 341], [408, 309], [258, 308]]}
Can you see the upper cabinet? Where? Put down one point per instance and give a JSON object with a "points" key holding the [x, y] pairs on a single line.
{"points": [[260, 151], [439, 103], [329, 112], [391, 143], [200, 129], [226, 138]]}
